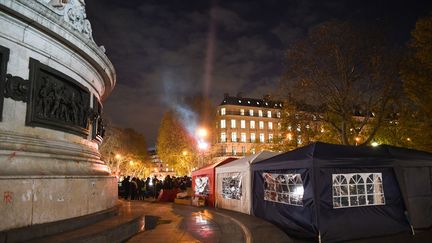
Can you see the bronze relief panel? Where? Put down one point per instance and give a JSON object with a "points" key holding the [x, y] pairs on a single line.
{"points": [[57, 101], [4, 58]]}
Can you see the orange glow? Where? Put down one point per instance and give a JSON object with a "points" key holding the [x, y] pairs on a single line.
{"points": [[202, 132], [289, 136]]}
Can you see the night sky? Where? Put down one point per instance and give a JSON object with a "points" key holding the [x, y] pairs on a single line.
{"points": [[162, 50]]}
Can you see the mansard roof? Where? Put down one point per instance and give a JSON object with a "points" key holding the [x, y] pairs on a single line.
{"points": [[252, 102]]}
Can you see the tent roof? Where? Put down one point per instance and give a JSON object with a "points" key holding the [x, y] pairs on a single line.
{"points": [[324, 154], [244, 163], [209, 168]]}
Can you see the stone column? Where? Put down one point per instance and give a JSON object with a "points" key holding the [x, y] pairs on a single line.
{"points": [[54, 79]]}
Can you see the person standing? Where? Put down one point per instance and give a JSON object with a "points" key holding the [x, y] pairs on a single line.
{"points": [[125, 186]]}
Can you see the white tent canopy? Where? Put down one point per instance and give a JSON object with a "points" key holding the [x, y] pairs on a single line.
{"points": [[233, 183]]}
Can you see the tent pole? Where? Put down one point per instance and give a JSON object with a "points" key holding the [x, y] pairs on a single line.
{"points": [[412, 230]]}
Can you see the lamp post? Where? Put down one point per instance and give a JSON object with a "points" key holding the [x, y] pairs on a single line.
{"points": [[202, 133]]}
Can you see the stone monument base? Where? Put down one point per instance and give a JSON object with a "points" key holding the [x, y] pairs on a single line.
{"points": [[41, 199]]}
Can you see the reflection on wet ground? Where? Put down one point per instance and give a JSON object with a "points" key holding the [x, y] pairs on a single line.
{"points": [[178, 223], [200, 225]]}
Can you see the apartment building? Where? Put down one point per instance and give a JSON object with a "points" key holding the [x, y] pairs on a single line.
{"points": [[244, 125]]}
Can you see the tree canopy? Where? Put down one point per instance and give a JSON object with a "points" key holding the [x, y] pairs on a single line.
{"points": [[416, 74], [346, 77], [125, 152], [177, 142], [175, 146]]}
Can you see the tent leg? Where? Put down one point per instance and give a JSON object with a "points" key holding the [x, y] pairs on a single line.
{"points": [[319, 237], [412, 230]]}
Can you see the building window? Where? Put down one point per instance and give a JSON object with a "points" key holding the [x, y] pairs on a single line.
{"points": [[233, 123], [262, 138], [251, 112], [269, 114], [279, 126], [223, 137], [223, 124], [270, 137], [261, 125], [242, 112], [234, 150], [223, 111], [243, 137], [270, 125], [260, 113], [243, 150], [283, 188], [252, 137], [252, 151], [233, 137], [242, 124], [357, 189], [252, 124], [278, 114]]}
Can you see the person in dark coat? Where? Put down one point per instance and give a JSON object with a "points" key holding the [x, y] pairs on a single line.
{"points": [[147, 187], [133, 188], [168, 183], [125, 186]]}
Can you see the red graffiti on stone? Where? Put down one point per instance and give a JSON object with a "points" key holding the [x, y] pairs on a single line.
{"points": [[11, 156], [7, 197]]}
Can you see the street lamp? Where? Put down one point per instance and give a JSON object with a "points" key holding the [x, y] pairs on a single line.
{"points": [[202, 132], [357, 140], [202, 145]]}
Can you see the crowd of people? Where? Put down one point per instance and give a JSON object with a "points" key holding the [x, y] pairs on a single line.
{"points": [[139, 189]]}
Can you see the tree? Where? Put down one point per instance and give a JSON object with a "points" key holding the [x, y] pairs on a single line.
{"points": [[416, 74], [346, 76], [125, 152], [175, 146], [300, 125]]}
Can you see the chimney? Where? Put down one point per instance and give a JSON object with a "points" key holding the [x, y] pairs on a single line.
{"points": [[226, 95], [266, 97]]}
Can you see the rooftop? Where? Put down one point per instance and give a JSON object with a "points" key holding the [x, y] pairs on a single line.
{"points": [[239, 100]]}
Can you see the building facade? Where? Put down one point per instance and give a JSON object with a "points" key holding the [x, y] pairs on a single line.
{"points": [[159, 169], [246, 125]]}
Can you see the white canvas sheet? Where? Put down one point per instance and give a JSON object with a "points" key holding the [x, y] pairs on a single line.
{"points": [[240, 169]]}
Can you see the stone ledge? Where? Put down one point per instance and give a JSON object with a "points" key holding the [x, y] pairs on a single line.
{"points": [[29, 155], [47, 229]]}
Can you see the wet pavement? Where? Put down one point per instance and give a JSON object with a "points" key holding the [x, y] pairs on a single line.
{"points": [[178, 223], [168, 222]]}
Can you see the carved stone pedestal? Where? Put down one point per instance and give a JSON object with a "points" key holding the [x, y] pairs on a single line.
{"points": [[53, 78]]}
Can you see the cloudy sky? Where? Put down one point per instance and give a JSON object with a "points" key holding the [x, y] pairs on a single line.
{"points": [[165, 50]]}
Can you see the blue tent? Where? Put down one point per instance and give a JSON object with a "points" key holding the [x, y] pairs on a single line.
{"points": [[336, 192]]}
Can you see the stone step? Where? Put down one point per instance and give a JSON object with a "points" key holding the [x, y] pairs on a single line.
{"points": [[115, 229], [44, 230]]}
